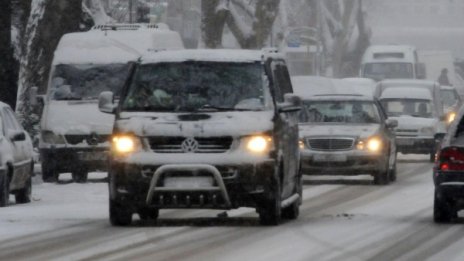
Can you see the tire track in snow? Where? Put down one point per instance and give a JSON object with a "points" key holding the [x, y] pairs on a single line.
{"points": [[330, 198], [72, 243], [405, 245], [356, 195]]}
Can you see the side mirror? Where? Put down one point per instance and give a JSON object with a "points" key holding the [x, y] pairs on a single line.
{"points": [[391, 124], [106, 102], [439, 136], [292, 103], [17, 136], [421, 72]]}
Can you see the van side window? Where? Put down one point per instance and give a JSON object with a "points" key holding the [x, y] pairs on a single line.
{"points": [[281, 80]]}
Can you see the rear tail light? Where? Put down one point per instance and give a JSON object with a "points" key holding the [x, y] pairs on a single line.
{"points": [[451, 159]]}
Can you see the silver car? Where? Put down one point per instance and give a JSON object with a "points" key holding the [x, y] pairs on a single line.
{"points": [[347, 135], [16, 159]]}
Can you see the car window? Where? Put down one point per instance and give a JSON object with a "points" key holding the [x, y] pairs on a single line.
{"points": [[86, 81], [408, 107], [340, 112], [9, 122], [449, 97]]}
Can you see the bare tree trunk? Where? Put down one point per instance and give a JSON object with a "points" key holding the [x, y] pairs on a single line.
{"points": [[213, 21], [266, 12], [342, 38], [8, 65], [49, 20]]}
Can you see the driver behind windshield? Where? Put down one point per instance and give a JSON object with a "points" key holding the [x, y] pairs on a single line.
{"points": [[189, 87]]}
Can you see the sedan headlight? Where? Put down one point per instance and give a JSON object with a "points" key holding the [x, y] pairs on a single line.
{"points": [[427, 131], [125, 144], [373, 144], [51, 138], [259, 144]]}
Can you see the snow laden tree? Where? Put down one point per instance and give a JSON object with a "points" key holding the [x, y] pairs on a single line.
{"points": [[344, 34], [48, 21], [250, 21]]}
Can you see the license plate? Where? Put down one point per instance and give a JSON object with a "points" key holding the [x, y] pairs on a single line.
{"points": [[188, 182], [404, 142], [330, 158], [92, 156]]}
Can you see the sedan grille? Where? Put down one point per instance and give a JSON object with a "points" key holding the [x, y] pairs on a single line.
{"points": [[92, 139], [331, 144], [190, 144]]}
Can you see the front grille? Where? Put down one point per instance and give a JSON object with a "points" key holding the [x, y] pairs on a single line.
{"points": [[406, 132], [203, 144], [90, 139], [331, 144]]}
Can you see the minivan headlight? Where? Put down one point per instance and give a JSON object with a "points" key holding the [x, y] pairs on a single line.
{"points": [[258, 144], [427, 130], [51, 138], [125, 144]]}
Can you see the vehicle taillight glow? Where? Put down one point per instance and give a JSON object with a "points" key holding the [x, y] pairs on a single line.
{"points": [[451, 159]]}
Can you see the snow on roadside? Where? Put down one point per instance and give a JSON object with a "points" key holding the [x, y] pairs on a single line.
{"points": [[54, 206]]}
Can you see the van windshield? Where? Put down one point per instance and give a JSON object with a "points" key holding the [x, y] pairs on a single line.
{"points": [[87, 81], [197, 86], [409, 107], [379, 71]]}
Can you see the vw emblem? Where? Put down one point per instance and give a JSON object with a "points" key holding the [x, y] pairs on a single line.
{"points": [[189, 145]]}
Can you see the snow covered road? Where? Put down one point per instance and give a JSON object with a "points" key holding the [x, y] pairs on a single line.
{"points": [[340, 220]]}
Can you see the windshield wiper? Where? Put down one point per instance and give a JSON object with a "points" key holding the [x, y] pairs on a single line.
{"points": [[70, 99], [208, 107]]}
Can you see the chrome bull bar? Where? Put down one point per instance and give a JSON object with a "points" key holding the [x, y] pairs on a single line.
{"points": [[190, 168]]}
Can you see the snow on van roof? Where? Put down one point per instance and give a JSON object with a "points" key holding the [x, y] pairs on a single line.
{"points": [[109, 46], [406, 93], [309, 86], [213, 55], [92, 47]]}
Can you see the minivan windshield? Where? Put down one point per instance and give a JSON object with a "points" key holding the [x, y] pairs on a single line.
{"points": [[197, 86], [410, 107], [381, 71], [358, 112], [87, 81]]}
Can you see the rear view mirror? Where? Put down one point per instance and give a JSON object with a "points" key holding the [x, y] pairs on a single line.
{"points": [[292, 103], [106, 102], [391, 124], [440, 136], [17, 136]]}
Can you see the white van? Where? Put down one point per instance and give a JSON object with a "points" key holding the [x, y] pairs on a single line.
{"points": [[418, 119], [74, 133], [391, 62]]}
